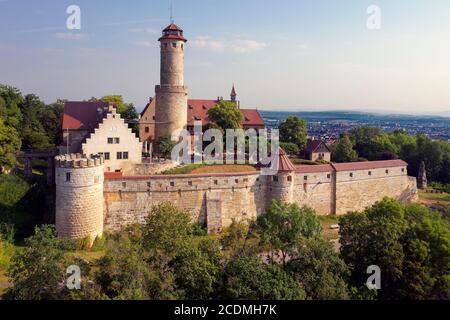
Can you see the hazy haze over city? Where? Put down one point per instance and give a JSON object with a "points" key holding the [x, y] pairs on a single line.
{"points": [[283, 55]]}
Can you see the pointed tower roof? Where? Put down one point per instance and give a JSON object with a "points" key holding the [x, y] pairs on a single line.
{"points": [[284, 164], [233, 92], [173, 32]]}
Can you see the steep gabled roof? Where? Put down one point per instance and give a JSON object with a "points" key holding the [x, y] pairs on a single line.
{"points": [[313, 145], [83, 115]]}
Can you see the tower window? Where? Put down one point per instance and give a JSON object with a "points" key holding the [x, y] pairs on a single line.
{"points": [[174, 45], [147, 129], [67, 176], [351, 174], [182, 46]]}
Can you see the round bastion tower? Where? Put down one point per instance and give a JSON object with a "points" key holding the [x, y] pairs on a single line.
{"points": [[282, 183], [79, 196], [171, 94]]}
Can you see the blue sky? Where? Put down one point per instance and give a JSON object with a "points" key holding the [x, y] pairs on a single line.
{"points": [[282, 54]]}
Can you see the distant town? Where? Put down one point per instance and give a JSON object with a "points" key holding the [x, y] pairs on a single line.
{"points": [[329, 125]]}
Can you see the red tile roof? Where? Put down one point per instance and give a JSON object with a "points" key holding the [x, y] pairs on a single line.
{"points": [[113, 175], [198, 111], [350, 166], [312, 145], [83, 115], [173, 32], [173, 27], [314, 169], [369, 165], [284, 164]]}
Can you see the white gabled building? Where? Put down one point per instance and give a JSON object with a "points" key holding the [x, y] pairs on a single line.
{"points": [[113, 139]]}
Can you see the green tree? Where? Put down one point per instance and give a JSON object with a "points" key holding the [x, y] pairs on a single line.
{"points": [[283, 225], [167, 229], [38, 271], [410, 244], [9, 145], [293, 130], [247, 277], [11, 98], [33, 132], [197, 270], [124, 272], [290, 148], [165, 146], [226, 115], [315, 264], [343, 151]]}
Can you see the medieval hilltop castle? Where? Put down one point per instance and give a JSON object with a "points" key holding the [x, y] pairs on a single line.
{"points": [[102, 183]]}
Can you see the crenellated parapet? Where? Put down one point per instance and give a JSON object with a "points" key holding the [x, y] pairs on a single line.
{"points": [[78, 160]]}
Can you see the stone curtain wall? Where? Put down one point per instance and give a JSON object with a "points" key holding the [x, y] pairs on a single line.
{"points": [[217, 199], [363, 190]]}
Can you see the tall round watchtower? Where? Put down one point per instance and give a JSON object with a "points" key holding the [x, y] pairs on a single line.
{"points": [[79, 196], [171, 94]]}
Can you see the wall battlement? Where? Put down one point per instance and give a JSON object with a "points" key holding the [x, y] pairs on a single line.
{"points": [[215, 200], [78, 160]]}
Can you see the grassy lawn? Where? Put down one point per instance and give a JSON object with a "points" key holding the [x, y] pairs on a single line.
{"points": [[436, 198], [6, 252], [327, 221], [199, 168]]}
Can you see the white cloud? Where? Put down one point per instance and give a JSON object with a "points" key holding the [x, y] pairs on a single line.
{"points": [[224, 45], [146, 44], [144, 30], [69, 36]]}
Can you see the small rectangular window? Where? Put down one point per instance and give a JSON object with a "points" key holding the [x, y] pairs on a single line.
{"points": [[190, 183], [174, 45], [125, 155], [147, 129], [67, 176], [289, 178], [351, 174], [116, 140], [329, 176], [275, 178], [305, 178], [107, 156], [119, 156], [216, 182], [370, 173], [110, 140], [387, 171], [403, 169], [172, 184]]}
